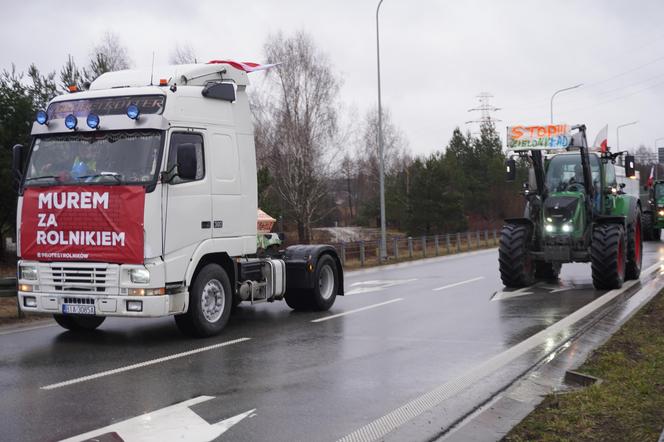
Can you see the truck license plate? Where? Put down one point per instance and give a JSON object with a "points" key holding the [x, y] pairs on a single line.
{"points": [[74, 309]]}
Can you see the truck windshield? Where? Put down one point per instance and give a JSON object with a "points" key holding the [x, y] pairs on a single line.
{"points": [[659, 191], [123, 157], [565, 172]]}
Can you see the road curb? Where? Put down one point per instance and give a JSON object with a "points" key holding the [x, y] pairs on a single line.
{"points": [[494, 419]]}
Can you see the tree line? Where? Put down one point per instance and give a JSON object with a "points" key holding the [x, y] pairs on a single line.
{"points": [[316, 165]]}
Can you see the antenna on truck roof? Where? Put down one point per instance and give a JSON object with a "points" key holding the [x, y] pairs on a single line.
{"points": [[152, 70]]}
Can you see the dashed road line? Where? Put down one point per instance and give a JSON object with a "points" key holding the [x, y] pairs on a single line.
{"points": [[467, 281], [142, 364], [361, 309]]}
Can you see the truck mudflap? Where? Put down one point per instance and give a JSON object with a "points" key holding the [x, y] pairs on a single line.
{"points": [[301, 261]]}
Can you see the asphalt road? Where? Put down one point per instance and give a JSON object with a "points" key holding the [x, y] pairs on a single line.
{"points": [[406, 340]]}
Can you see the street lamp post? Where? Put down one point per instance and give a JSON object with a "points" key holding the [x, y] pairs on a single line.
{"points": [[383, 233], [559, 91], [618, 132]]}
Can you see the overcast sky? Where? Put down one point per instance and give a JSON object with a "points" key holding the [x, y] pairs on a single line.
{"points": [[436, 56]]}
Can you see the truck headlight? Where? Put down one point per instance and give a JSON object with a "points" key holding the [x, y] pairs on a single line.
{"points": [[567, 228], [549, 228], [661, 213], [139, 276], [28, 273]]}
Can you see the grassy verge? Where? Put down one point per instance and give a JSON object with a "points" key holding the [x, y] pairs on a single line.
{"points": [[627, 406]]}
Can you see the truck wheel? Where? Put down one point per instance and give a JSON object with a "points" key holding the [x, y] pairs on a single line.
{"points": [[656, 234], [647, 223], [634, 249], [79, 323], [326, 283], [547, 270], [607, 255], [322, 295], [516, 265], [210, 303]]}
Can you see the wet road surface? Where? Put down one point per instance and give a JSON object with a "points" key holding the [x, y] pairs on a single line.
{"points": [[401, 332]]}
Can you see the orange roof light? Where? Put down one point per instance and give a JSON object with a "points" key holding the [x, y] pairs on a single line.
{"points": [[163, 82], [72, 88]]}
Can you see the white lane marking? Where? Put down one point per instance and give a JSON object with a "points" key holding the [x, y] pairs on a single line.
{"points": [[376, 285], [499, 296], [176, 422], [13, 330], [380, 427], [449, 286], [142, 364], [361, 309]]}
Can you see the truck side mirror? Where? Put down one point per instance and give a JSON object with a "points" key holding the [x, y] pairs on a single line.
{"points": [[510, 170], [17, 165], [187, 161], [630, 166]]}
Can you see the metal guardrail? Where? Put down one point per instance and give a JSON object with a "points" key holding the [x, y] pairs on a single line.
{"points": [[366, 253], [7, 287]]}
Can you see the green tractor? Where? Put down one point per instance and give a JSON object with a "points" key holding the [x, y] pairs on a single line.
{"points": [[575, 211], [653, 212]]}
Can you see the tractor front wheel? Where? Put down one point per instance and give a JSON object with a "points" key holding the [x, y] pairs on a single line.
{"points": [[607, 254], [517, 268], [634, 248]]}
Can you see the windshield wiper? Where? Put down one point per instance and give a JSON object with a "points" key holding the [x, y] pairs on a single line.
{"points": [[55, 177], [117, 176]]}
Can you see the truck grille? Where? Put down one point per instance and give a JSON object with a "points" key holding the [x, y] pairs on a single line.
{"points": [[79, 277], [88, 301]]}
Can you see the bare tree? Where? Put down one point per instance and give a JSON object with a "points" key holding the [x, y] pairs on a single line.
{"points": [[109, 55], [298, 126], [183, 54]]}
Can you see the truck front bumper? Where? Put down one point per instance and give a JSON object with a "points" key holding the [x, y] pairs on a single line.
{"points": [[150, 306]]}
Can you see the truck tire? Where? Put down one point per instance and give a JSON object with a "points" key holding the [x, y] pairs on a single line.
{"points": [[326, 283], [634, 248], [656, 234], [79, 322], [647, 223], [607, 255], [547, 270], [210, 303], [516, 266], [326, 287]]}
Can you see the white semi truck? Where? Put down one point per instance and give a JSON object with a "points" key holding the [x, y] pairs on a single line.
{"points": [[139, 200]]}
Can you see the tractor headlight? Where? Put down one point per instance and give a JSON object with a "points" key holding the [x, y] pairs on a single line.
{"points": [[28, 273], [549, 228], [567, 227], [139, 276]]}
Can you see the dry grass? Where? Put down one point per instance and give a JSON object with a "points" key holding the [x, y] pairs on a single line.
{"points": [[627, 406]]}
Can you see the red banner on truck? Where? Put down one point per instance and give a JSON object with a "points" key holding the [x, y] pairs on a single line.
{"points": [[83, 223]]}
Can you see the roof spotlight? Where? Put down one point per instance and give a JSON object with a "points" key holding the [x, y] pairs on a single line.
{"points": [[133, 111], [93, 121], [71, 121], [42, 117]]}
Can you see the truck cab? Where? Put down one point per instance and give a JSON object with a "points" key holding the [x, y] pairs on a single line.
{"points": [[138, 198]]}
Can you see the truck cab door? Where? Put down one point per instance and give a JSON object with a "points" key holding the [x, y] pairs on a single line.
{"points": [[187, 210]]}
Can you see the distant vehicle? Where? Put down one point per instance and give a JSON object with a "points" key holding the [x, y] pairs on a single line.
{"points": [[577, 212], [139, 200]]}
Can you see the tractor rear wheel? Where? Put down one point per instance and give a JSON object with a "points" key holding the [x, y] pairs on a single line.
{"points": [[515, 263], [607, 254], [547, 270], [634, 248], [647, 222]]}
